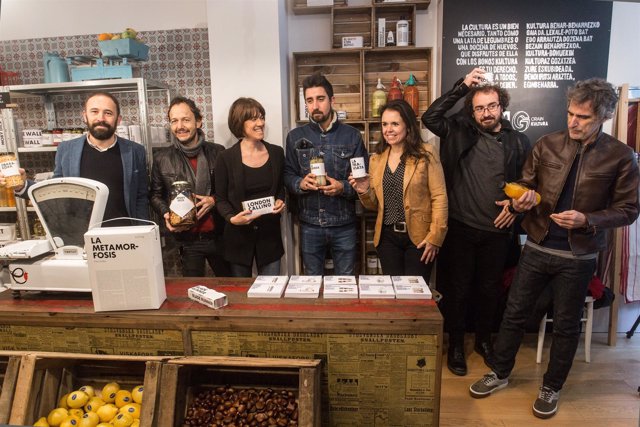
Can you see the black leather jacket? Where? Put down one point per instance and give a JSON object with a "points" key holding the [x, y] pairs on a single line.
{"points": [[169, 165], [606, 188], [458, 133]]}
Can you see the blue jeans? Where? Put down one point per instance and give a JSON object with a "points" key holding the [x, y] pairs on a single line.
{"points": [[341, 242], [271, 269], [568, 279]]}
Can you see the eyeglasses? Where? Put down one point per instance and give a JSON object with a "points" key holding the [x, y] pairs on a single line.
{"points": [[492, 108]]}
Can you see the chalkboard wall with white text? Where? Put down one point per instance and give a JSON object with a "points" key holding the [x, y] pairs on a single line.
{"points": [[536, 50]]}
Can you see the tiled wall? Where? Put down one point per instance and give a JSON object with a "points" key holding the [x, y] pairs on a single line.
{"points": [[179, 58]]}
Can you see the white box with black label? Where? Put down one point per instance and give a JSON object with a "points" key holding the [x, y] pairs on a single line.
{"points": [[125, 268]]}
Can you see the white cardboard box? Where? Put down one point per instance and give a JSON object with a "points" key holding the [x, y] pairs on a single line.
{"points": [[411, 287], [206, 296], [376, 286], [268, 287], [125, 268], [340, 287], [303, 287]]}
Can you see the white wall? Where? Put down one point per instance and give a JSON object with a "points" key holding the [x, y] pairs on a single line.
{"points": [[248, 59], [27, 19]]}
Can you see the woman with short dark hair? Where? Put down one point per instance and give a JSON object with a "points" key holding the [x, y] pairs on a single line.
{"points": [[251, 169]]}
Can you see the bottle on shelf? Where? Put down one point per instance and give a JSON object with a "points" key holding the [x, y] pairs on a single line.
{"points": [[390, 39], [378, 99], [394, 92], [412, 94], [402, 32]]}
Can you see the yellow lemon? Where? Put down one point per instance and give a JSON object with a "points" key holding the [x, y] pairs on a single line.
{"points": [[42, 422], [136, 393], [109, 392], [90, 419], [62, 403], [123, 397], [93, 404], [77, 412], [70, 421], [77, 399], [56, 416], [136, 423], [105, 425], [89, 390], [122, 420], [132, 409], [107, 412]]}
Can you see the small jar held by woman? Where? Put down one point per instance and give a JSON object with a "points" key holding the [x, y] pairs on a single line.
{"points": [[406, 187], [250, 169]]}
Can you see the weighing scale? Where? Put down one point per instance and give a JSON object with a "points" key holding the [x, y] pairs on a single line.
{"points": [[118, 58], [67, 208]]}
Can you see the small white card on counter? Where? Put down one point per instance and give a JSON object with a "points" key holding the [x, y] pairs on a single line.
{"points": [[340, 287], [259, 207], [268, 287], [209, 297], [411, 287], [376, 286], [303, 287]]}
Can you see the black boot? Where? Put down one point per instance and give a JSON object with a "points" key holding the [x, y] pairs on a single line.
{"points": [[456, 361]]}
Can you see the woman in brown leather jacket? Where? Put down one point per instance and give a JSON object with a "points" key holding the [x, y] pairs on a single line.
{"points": [[406, 186]]}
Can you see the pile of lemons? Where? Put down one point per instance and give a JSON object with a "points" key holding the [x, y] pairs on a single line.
{"points": [[86, 407]]}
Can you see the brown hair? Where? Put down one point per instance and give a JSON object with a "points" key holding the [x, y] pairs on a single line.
{"points": [[190, 103], [241, 110], [503, 96], [413, 142], [105, 94], [599, 92]]}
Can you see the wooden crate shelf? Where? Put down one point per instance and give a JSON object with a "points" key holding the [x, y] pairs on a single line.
{"points": [[45, 377], [300, 7], [420, 4], [392, 14], [385, 64], [9, 368], [183, 379], [349, 22], [344, 71]]}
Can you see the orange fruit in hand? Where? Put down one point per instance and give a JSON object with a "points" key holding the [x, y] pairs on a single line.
{"points": [[104, 36]]}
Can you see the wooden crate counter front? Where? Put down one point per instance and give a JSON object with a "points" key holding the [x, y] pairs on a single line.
{"points": [[9, 366], [382, 357]]}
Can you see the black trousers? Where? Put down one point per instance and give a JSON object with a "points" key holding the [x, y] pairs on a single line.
{"points": [[469, 272], [399, 256]]}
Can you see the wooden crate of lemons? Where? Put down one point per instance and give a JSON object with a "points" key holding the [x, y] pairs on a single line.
{"points": [[79, 390], [9, 367]]}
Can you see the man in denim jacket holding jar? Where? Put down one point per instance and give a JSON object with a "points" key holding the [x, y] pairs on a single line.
{"points": [[326, 212]]}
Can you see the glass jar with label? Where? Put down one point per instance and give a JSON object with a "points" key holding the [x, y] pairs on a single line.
{"points": [[317, 168], [181, 205], [10, 169]]}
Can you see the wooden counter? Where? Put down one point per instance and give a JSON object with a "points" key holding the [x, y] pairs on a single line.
{"points": [[382, 357]]}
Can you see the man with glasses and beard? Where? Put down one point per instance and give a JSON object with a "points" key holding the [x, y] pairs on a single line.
{"points": [[103, 156], [479, 152]]}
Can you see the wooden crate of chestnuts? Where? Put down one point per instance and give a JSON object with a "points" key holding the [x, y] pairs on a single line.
{"points": [[45, 378], [239, 391], [9, 366]]}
